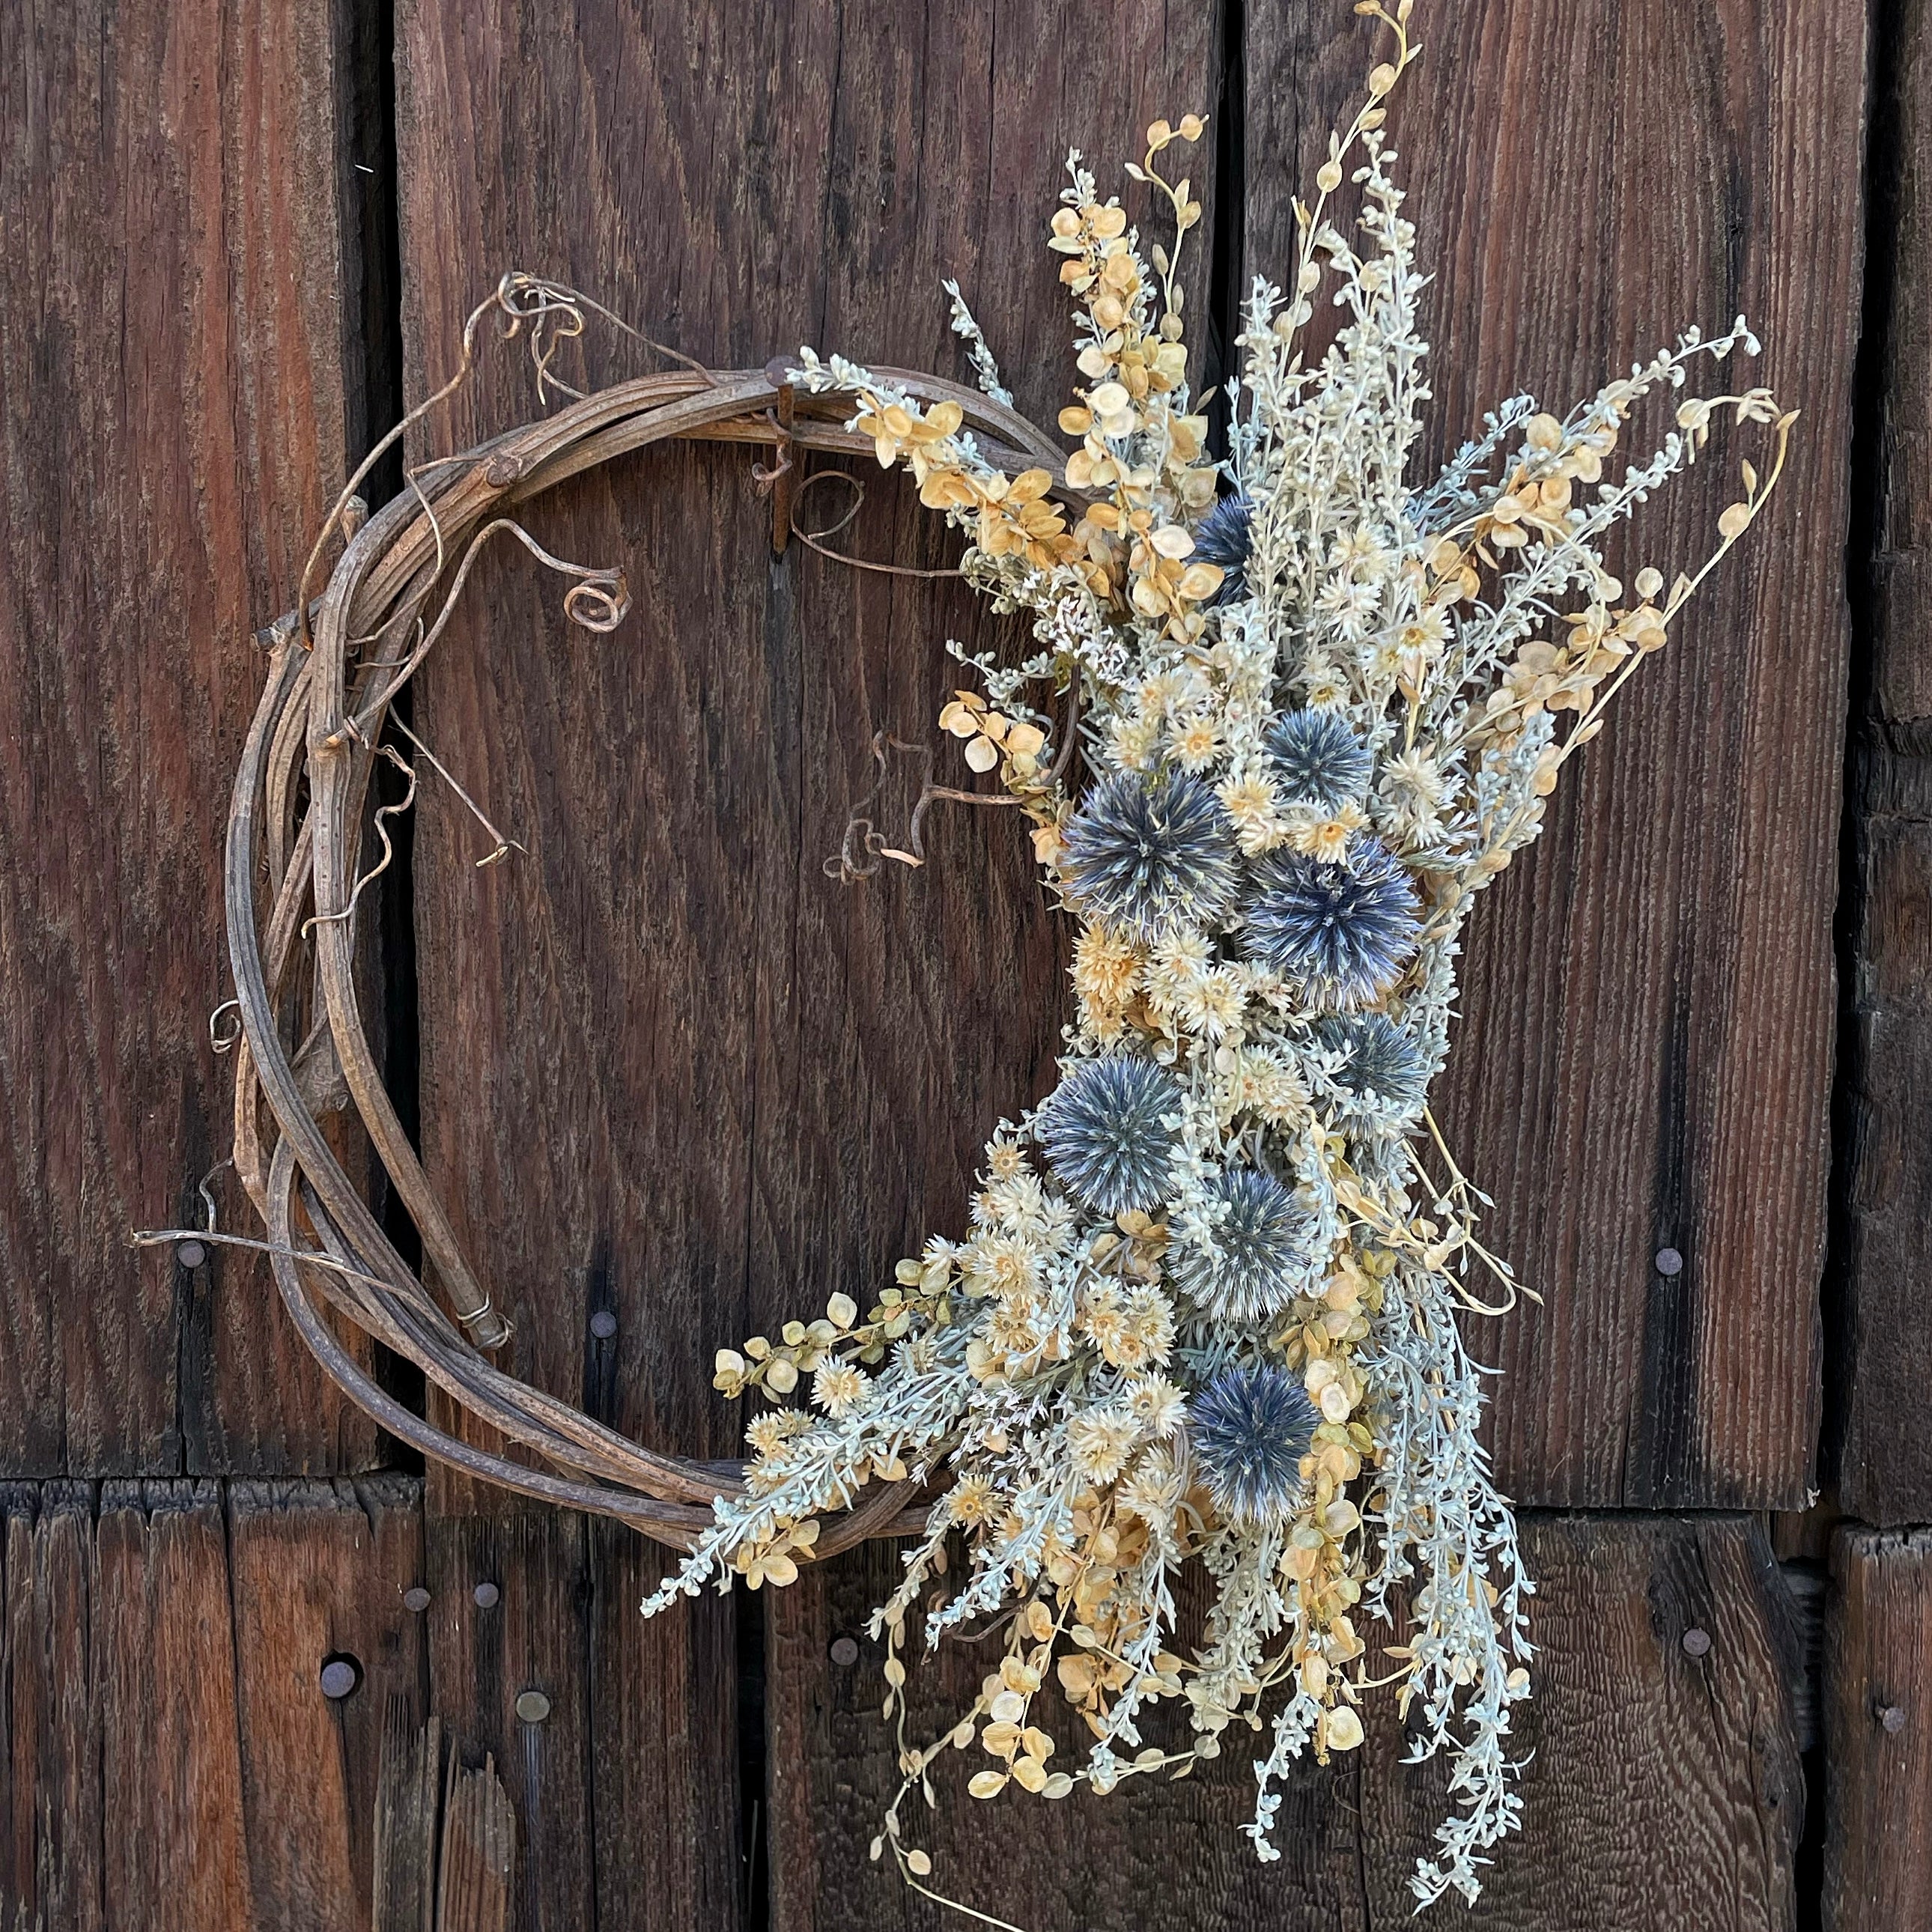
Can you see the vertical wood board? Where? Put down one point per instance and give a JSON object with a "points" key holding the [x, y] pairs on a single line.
{"points": [[1878, 1720], [1645, 1055], [174, 425], [1662, 1790]]}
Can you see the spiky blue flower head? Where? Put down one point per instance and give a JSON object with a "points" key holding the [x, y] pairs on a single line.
{"points": [[1383, 1072], [1151, 855], [1104, 1135], [1318, 761], [1346, 930], [1264, 1242], [1226, 537], [1250, 1429]]}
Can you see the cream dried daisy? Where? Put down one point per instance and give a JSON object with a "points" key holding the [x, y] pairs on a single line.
{"points": [[1158, 1406], [1175, 967], [839, 1388], [1146, 1335], [1324, 835], [1106, 969], [1100, 1440], [972, 1501], [768, 1433], [1211, 1007], [1002, 1265], [1195, 742]]}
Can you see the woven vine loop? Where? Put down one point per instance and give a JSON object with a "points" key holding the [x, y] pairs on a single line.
{"points": [[295, 866]]}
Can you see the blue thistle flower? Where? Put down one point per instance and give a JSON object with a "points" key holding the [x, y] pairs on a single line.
{"points": [[1264, 1245], [1383, 1074], [1250, 1429], [1226, 537], [1104, 1134], [1345, 931], [1151, 854], [1318, 760]]}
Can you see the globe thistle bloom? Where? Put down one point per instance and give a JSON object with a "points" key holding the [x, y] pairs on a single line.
{"points": [[1150, 855], [1226, 537], [1250, 1429], [1345, 930], [1263, 1256], [1105, 1134], [1382, 1075], [1318, 761]]}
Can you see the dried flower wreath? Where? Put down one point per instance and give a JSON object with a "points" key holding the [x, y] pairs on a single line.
{"points": [[1207, 1311]]}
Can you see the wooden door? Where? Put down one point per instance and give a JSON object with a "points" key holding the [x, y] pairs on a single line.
{"points": [[676, 1083]]}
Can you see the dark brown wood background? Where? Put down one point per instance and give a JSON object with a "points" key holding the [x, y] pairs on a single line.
{"points": [[663, 1068]]}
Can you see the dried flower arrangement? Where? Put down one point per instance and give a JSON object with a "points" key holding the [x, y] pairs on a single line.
{"points": [[1207, 1312]]}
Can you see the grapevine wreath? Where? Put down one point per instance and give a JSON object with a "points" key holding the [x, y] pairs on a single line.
{"points": [[1286, 714]]}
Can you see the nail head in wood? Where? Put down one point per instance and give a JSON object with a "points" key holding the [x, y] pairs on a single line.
{"points": [[1892, 1718], [532, 1706], [1669, 1262], [486, 1595], [190, 1254], [338, 1678], [603, 1324], [416, 1598], [844, 1651], [1696, 1642]]}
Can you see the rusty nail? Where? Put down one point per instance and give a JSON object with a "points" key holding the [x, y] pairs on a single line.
{"points": [[1696, 1642], [603, 1324], [1892, 1717], [844, 1651], [532, 1706], [190, 1254], [416, 1598], [486, 1595], [1669, 1262], [338, 1678]]}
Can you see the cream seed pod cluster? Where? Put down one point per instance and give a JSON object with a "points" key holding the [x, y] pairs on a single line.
{"points": [[1206, 1309]]}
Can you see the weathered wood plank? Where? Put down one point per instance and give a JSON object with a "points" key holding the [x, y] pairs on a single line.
{"points": [[664, 1790], [1878, 1849], [525, 1634], [409, 1810], [51, 1868], [318, 1572], [479, 1849], [164, 1677], [1645, 1058], [172, 1760], [1883, 1342], [1663, 1791], [175, 422], [605, 1733], [670, 1072]]}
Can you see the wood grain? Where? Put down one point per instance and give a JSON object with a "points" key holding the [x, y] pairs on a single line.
{"points": [[1645, 1056], [1878, 1849], [408, 1811], [635, 1756], [175, 419], [669, 1069], [317, 1573], [1663, 1791], [124, 1784], [1882, 1340], [712, 1081]]}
